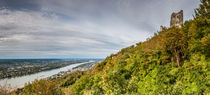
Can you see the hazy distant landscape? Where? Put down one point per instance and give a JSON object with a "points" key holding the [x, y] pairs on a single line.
{"points": [[19, 67], [72, 65]]}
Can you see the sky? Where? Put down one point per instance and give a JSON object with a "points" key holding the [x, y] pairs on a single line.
{"points": [[81, 28]]}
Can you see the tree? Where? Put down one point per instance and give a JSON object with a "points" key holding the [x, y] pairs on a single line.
{"points": [[203, 10], [199, 31], [175, 44]]}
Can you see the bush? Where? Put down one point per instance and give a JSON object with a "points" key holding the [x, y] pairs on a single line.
{"points": [[41, 87], [6, 90]]}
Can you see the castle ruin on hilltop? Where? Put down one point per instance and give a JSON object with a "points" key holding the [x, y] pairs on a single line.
{"points": [[176, 20]]}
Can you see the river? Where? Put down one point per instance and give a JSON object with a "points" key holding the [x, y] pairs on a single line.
{"points": [[19, 82]]}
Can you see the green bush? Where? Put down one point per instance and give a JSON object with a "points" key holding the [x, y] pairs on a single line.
{"points": [[41, 87]]}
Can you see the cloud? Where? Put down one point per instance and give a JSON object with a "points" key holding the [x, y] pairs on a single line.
{"points": [[30, 32], [78, 28], [142, 15]]}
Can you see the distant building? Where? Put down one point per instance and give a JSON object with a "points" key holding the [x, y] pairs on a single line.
{"points": [[176, 20]]}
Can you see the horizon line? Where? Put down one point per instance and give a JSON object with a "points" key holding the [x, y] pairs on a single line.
{"points": [[55, 58]]}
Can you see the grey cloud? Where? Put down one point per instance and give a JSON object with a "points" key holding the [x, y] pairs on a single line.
{"points": [[42, 37], [131, 12], [81, 28], [7, 27], [20, 4]]}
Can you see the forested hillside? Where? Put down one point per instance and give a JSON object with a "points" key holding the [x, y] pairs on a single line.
{"points": [[175, 61]]}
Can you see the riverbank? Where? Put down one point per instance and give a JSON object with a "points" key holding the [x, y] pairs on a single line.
{"points": [[11, 68], [18, 82], [74, 67], [82, 67]]}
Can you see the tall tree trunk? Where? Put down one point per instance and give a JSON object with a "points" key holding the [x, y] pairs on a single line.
{"points": [[177, 57]]}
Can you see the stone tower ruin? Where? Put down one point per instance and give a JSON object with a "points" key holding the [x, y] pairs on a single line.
{"points": [[176, 19]]}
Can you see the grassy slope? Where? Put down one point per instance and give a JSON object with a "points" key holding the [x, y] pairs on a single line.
{"points": [[175, 61], [149, 67], [145, 69]]}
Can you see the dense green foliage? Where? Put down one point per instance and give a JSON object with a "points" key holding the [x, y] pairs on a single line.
{"points": [[175, 61], [41, 87]]}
